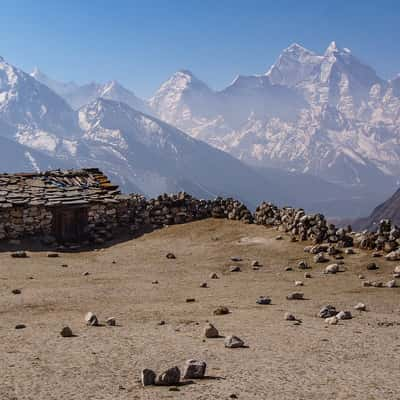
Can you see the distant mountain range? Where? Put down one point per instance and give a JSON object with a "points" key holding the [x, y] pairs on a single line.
{"points": [[318, 131]]}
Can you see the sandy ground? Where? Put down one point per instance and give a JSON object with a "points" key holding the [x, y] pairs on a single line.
{"points": [[356, 359]]}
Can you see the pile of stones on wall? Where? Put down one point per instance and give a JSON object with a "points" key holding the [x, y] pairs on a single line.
{"points": [[135, 213]]}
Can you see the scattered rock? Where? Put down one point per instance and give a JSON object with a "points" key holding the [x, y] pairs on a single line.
{"points": [[19, 254], [279, 237], [307, 275], [210, 331], [204, 285], [320, 258], [344, 315], [236, 259], [171, 256], [255, 263], [154, 282], [397, 270], [332, 269], [393, 256], [376, 254], [233, 342], [214, 276], [327, 311], [20, 326], [190, 300], [234, 268], [349, 251], [16, 291], [289, 317], [111, 321], [263, 300], [52, 255], [221, 310], [64, 265], [295, 296], [303, 265], [86, 273], [66, 332], [170, 377], [298, 283], [91, 319], [361, 276], [194, 369], [148, 377], [288, 269], [371, 266], [360, 307], [391, 284], [161, 323], [331, 320]]}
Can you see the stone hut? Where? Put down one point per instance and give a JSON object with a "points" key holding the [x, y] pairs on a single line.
{"points": [[69, 206]]}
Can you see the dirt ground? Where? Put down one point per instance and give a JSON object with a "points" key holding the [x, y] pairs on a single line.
{"points": [[356, 359]]}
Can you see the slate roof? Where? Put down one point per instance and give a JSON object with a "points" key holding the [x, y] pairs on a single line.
{"points": [[56, 188]]}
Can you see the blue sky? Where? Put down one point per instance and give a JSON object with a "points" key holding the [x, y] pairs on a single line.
{"points": [[141, 43]]}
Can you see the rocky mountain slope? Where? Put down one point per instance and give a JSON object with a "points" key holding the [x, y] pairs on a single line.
{"points": [[390, 209], [140, 152], [329, 115], [78, 96]]}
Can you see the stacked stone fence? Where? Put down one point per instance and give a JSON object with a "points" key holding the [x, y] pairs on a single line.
{"points": [[136, 213]]}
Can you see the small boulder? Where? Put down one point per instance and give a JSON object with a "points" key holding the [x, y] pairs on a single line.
{"points": [[288, 269], [148, 377], [298, 283], [19, 254], [111, 321], [320, 258], [221, 310], [331, 320], [233, 342], [91, 319], [279, 237], [234, 268], [307, 275], [204, 285], [214, 276], [170, 377], [263, 300], [349, 251], [236, 259], [66, 332], [194, 369], [360, 307], [371, 266], [295, 296], [52, 255], [210, 331], [255, 263], [327, 311], [344, 315], [16, 291], [20, 326], [190, 300], [289, 317], [391, 284], [332, 269], [171, 256], [303, 265]]}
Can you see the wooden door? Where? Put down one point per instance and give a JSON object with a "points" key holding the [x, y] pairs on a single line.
{"points": [[70, 224]]}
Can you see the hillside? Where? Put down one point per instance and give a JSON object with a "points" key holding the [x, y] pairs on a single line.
{"points": [[311, 359]]}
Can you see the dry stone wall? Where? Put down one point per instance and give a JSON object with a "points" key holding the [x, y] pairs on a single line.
{"points": [[136, 213]]}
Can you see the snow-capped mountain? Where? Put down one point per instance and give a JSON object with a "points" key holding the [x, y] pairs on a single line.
{"points": [[142, 152], [78, 96], [33, 114], [329, 115], [39, 130]]}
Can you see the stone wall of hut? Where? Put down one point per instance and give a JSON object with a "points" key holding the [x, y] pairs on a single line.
{"points": [[22, 221]]}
